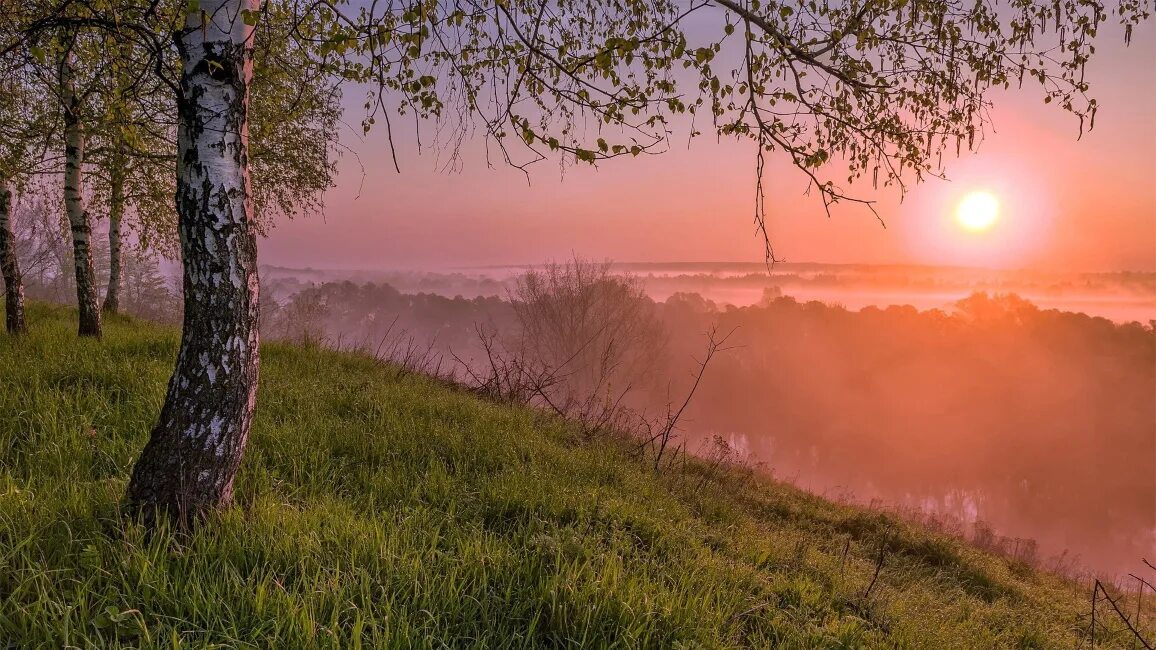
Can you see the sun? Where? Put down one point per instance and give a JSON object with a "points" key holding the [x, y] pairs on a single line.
{"points": [[977, 211]]}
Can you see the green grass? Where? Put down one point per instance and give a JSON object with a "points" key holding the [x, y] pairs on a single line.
{"points": [[380, 510]]}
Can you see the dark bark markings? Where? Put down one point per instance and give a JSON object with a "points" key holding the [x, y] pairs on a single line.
{"points": [[115, 214], [78, 217], [188, 467], [10, 267]]}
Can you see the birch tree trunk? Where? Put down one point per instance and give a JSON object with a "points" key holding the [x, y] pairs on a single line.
{"points": [[188, 466], [10, 268], [115, 213], [78, 218]]}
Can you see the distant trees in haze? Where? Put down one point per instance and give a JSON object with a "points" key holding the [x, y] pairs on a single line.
{"points": [[883, 88], [1037, 422]]}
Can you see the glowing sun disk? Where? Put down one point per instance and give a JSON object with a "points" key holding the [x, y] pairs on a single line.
{"points": [[977, 211]]}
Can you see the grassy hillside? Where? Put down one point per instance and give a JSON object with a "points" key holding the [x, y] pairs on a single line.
{"points": [[378, 510]]}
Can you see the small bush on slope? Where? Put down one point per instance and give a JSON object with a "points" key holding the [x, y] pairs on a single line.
{"points": [[380, 510]]}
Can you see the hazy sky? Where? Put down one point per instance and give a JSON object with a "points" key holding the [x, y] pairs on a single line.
{"points": [[1087, 205]]}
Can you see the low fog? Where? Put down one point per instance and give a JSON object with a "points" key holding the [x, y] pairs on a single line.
{"points": [[1030, 431], [1026, 429]]}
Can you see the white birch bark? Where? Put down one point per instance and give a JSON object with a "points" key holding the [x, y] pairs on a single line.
{"points": [[10, 268], [79, 221], [189, 464], [115, 251]]}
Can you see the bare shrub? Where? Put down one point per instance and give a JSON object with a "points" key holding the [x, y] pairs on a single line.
{"points": [[598, 326], [586, 340], [588, 346], [514, 373], [409, 356], [660, 433]]}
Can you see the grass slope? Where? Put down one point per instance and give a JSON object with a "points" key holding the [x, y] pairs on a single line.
{"points": [[378, 510]]}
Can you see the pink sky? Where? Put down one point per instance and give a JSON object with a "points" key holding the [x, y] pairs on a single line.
{"points": [[1087, 205]]}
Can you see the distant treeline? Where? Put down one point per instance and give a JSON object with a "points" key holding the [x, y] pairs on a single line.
{"points": [[1138, 283], [667, 278]]}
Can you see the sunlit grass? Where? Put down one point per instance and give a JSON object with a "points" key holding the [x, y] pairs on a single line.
{"points": [[382, 510]]}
